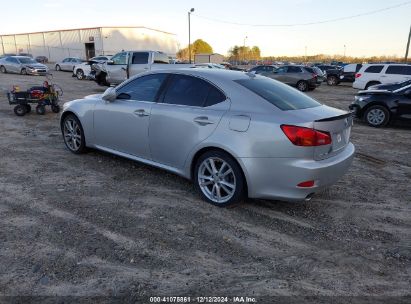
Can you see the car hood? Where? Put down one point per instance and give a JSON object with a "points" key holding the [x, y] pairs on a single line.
{"points": [[94, 96], [375, 92], [35, 65]]}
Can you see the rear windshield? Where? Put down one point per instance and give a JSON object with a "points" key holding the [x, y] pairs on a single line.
{"points": [[280, 95]]}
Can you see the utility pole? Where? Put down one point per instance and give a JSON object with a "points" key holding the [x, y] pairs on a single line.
{"points": [[189, 34], [408, 46]]}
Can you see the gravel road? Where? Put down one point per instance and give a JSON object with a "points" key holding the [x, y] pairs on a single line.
{"points": [[100, 225]]}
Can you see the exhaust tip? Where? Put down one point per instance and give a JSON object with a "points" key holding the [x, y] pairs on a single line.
{"points": [[309, 197]]}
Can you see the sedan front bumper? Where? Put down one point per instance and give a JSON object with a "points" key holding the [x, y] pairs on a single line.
{"points": [[277, 178]]}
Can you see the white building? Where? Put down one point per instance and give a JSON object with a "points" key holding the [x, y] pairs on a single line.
{"points": [[208, 58], [88, 42]]}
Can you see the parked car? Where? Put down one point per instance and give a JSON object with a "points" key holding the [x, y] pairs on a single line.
{"points": [[229, 66], [22, 65], [83, 70], [126, 64], [232, 133], [302, 77], [372, 74], [263, 69], [380, 107], [42, 59], [68, 64]]}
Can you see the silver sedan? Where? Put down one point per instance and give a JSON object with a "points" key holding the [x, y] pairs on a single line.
{"points": [[233, 134], [22, 65]]}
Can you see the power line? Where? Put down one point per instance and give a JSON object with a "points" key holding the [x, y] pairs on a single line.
{"points": [[308, 23]]}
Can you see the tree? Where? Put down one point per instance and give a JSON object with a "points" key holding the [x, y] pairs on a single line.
{"points": [[197, 47], [239, 53]]}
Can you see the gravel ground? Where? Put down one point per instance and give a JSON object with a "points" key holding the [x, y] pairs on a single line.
{"points": [[100, 225]]}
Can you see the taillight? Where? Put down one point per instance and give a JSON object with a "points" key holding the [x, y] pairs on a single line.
{"points": [[301, 136], [358, 75], [314, 75]]}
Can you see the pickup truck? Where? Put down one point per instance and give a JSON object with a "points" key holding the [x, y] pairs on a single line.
{"points": [[126, 64]]}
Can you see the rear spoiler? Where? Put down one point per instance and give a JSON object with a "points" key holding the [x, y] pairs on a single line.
{"points": [[348, 114]]}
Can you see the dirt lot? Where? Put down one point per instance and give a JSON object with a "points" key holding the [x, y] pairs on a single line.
{"points": [[100, 225]]}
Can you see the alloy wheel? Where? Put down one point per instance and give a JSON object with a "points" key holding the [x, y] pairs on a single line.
{"points": [[216, 179], [72, 134], [376, 117]]}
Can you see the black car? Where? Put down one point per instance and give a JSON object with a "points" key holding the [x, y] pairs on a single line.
{"points": [[379, 107], [390, 86], [42, 59]]}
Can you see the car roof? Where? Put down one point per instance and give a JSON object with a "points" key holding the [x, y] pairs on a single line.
{"points": [[18, 57]]}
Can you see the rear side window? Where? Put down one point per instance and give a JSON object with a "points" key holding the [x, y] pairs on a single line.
{"points": [[161, 58], [399, 69], [359, 66], [140, 58], [293, 69], [374, 69], [309, 70], [192, 91], [278, 94]]}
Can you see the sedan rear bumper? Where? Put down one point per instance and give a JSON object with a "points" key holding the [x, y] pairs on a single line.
{"points": [[277, 178]]}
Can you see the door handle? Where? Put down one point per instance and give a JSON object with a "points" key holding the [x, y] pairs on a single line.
{"points": [[203, 121], [141, 113]]}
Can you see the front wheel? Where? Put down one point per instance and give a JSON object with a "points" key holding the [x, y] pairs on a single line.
{"points": [[3, 69], [23, 72], [73, 134], [80, 74], [58, 68], [20, 110], [302, 86], [219, 179], [377, 116]]}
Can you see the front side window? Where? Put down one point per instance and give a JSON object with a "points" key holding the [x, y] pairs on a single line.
{"points": [[278, 94], [192, 91], [140, 58], [399, 69], [142, 89], [374, 69], [66, 60], [120, 58], [281, 70]]}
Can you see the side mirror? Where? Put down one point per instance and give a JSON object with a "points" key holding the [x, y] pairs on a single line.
{"points": [[110, 62], [109, 95]]}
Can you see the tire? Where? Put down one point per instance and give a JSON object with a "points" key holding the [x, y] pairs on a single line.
{"points": [[302, 85], [80, 74], [41, 110], [332, 80], [377, 116], [225, 185], [55, 108], [3, 69], [371, 83], [73, 134], [58, 68], [23, 72], [28, 108], [20, 110]]}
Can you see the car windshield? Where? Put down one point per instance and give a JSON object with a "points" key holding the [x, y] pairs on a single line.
{"points": [[278, 94], [27, 60]]}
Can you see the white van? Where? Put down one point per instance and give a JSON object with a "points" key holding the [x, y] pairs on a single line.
{"points": [[372, 74]]}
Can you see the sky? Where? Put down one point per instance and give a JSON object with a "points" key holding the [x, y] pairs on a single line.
{"points": [[382, 33]]}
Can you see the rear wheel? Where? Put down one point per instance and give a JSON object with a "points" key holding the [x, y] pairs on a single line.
{"points": [[332, 80], [41, 110], [55, 108], [73, 134], [219, 179], [3, 69], [80, 74], [20, 110], [302, 85], [377, 116]]}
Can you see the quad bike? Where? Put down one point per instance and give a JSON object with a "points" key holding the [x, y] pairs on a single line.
{"points": [[46, 95]]}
